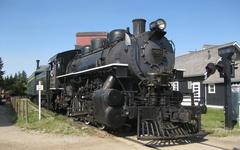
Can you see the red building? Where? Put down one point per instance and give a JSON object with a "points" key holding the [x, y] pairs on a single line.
{"points": [[84, 38]]}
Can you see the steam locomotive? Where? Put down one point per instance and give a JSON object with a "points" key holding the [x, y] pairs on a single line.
{"points": [[122, 80]]}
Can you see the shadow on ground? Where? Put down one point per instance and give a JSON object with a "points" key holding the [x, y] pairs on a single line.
{"points": [[8, 116], [132, 136], [165, 143]]}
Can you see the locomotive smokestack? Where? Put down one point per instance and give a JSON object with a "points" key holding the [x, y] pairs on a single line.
{"points": [[138, 26], [38, 61]]}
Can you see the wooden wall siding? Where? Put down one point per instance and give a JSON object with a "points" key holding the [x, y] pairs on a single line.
{"points": [[216, 98]]}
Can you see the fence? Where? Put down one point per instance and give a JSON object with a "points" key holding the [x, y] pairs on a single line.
{"points": [[21, 107]]}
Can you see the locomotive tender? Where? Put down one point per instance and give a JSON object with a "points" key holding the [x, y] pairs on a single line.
{"points": [[124, 79]]}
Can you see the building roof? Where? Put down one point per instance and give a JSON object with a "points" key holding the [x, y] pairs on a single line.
{"points": [[81, 34], [85, 38], [195, 62]]}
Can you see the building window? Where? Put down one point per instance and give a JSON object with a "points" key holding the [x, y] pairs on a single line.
{"points": [[189, 83], [211, 88], [175, 86]]}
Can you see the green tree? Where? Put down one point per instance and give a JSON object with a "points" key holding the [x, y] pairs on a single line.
{"points": [[1, 67], [1, 74], [16, 84]]}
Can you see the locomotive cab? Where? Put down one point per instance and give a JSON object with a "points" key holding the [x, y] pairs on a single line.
{"points": [[58, 66]]}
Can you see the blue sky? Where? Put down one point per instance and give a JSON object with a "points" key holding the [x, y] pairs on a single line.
{"points": [[38, 29]]}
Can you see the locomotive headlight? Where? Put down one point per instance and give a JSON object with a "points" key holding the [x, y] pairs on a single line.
{"points": [[161, 24], [158, 24]]}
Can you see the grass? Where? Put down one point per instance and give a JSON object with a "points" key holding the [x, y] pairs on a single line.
{"points": [[52, 123], [213, 123]]}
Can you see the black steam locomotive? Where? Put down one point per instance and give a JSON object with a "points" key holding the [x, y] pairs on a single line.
{"points": [[124, 79]]}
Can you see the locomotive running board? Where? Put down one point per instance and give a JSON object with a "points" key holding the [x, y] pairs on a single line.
{"points": [[150, 127], [94, 69]]}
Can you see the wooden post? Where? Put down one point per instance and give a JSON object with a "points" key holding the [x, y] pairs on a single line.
{"points": [[39, 88], [17, 108], [22, 108], [15, 105], [26, 111], [39, 105]]}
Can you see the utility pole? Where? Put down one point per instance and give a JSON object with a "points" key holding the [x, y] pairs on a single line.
{"points": [[228, 94], [226, 71]]}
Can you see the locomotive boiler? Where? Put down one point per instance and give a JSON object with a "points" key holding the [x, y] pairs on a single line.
{"points": [[124, 80]]}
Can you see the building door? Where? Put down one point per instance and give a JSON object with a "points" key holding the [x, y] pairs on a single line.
{"points": [[196, 90]]}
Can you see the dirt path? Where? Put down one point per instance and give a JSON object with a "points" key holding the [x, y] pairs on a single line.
{"points": [[13, 138]]}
